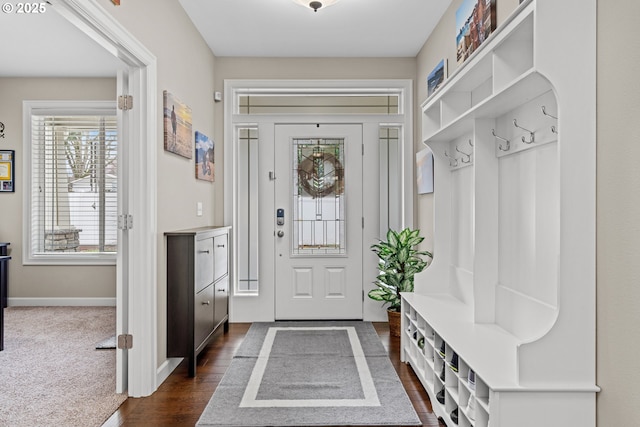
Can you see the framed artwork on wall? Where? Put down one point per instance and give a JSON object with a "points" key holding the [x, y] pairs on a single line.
{"points": [[424, 171], [205, 159], [436, 77], [7, 171], [475, 21], [177, 126]]}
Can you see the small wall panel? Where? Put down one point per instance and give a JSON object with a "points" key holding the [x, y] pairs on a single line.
{"points": [[335, 283], [303, 282]]}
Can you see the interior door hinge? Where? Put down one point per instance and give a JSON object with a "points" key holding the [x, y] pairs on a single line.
{"points": [[363, 149], [125, 341], [125, 102], [363, 222], [125, 222]]}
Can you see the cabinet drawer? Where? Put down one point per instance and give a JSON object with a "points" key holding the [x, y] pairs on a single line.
{"points": [[203, 315], [220, 249], [221, 300], [204, 263]]}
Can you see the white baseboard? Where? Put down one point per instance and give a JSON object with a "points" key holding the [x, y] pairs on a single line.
{"points": [[163, 372], [48, 302]]}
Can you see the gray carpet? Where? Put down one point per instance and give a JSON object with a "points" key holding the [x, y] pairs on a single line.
{"points": [[310, 374], [50, 372]]}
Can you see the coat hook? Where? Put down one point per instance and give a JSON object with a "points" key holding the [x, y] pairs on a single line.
{"points": [[508, 146], [455, 161], [544, 111], [465, 154], [531, 134], [553, 128]]}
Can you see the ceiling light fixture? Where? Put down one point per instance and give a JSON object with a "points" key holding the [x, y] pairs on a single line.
{"points": [[315, 5]]}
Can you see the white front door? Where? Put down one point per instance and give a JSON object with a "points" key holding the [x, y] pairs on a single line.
{"points": [[318, 221]]}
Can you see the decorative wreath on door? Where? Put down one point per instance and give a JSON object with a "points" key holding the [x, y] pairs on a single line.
{"points": [[321, 174]]}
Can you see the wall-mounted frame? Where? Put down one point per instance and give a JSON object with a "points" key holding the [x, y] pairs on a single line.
{"points": [[7, 171], [424, 171], [178, 135], [205, 157], [436, 77], [475, 21]]}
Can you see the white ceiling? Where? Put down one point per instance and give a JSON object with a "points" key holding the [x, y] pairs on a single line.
{"points": [[282, 28], [47, 45]]}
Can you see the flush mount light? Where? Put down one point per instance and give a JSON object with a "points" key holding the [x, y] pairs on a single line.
{"points": [[315, 5]]}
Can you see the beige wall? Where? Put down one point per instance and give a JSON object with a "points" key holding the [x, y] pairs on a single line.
{"points": [[618, 213], [185, 67], [618, 198], [45, 281]]}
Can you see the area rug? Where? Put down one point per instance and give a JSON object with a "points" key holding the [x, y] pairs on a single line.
{"points": [[310, 374], [50, 372]]}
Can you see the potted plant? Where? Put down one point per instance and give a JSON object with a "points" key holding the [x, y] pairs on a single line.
{"points": [[399, 261]]}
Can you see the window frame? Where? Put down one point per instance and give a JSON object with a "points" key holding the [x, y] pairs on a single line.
{"points": [[55, 107]]}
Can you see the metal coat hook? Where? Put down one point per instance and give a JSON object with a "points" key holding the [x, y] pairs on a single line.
{"points": [[508, 147], [531, 134], [455, 161], [553, 128], [464, 154], [544, 111]]}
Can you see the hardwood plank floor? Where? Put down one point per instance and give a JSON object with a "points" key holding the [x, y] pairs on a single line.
{"points": [[180, 400]]}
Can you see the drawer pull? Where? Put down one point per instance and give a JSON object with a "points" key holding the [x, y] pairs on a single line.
{"points": [[204, 252], [222, 290], [221, 246], [206, 302]]}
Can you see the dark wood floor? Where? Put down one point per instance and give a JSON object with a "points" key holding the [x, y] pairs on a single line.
{"points": [[180, 400]]}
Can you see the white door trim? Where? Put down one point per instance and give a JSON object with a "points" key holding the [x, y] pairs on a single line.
{"points": [[262, 305], [140, 317]]}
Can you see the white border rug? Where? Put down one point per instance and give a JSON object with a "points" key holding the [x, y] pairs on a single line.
{"points": [[310, 374]]}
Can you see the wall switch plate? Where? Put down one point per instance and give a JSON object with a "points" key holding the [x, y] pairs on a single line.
{"points": [[199, 209]]}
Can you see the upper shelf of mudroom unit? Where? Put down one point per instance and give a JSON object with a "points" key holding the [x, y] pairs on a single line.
{"points": [[491, 82], [526, 87]]}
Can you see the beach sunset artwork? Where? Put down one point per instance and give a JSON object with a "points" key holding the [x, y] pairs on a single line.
{"points": [[178, 136]]}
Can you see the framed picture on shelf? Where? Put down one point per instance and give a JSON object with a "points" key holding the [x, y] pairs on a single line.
{"points": [[475, 21], [7, 171], [177, 126], [424, 171], [205, 163], [436, 77]]}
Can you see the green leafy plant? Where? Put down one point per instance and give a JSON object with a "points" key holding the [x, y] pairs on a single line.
{"points": [[399, 261]]}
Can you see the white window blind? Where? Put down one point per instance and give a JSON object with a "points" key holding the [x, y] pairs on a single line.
{"points": [[74, 182]]}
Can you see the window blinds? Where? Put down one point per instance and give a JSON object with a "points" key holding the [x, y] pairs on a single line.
{"points": [[74, 184]]}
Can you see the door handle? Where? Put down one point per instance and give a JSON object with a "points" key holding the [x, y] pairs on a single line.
{"points": [[280, 233]]}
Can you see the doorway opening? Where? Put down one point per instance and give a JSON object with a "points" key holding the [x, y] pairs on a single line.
{"points": [[137, 247]]}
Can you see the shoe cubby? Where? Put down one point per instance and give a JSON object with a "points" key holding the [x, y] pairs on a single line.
{"points": [[443, 373]]}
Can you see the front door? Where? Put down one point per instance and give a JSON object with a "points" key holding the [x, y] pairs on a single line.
{"points": [[318, 221]]}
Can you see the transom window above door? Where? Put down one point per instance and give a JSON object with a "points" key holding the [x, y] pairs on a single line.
{"points": [[318, 104]]}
